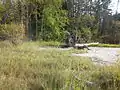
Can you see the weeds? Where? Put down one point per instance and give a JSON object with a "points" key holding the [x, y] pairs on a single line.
{"points": [[27, 67]]}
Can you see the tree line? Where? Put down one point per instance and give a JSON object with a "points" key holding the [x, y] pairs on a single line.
{"points": [[88, 20]]}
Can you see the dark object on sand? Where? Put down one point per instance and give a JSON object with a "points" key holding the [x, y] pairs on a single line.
{"points": [[81, 47]]}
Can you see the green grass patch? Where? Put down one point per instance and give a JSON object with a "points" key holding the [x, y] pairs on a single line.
{"points": [[50, 43], [105, 45], [26, 67]]}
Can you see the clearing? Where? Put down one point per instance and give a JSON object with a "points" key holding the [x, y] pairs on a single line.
{"points": [[101, 55]]}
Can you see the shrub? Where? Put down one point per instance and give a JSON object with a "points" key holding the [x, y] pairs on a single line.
{"points": [[107, 78], [12, 32], [86, 34]]}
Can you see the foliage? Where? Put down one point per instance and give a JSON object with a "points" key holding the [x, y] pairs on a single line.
{"points": [[87, 29], [2, 9], [107, 78], [112, 34], [29, 67], [48, 19], [12, 32], [86, 34], [55, 20]]}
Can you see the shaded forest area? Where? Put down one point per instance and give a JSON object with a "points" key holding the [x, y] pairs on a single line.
{"points": [[48, 20]]}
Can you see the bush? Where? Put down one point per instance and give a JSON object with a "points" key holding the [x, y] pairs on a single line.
{"points": [[12, 32], [107, 78], [86, 34]]}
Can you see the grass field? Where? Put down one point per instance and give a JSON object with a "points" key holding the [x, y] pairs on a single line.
{"points": [[27, 67]]}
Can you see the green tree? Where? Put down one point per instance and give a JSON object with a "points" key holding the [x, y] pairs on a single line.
{"points": [[55, 20]]}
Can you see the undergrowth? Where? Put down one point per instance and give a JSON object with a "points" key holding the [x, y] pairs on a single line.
{"points": [[28, 67]]}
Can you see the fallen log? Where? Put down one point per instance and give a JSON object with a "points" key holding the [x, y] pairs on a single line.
{"points": [[87, 44], [82, 46], [79, 46]]}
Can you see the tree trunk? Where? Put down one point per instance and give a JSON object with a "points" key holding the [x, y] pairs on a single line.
{"points": [[36, 23]]}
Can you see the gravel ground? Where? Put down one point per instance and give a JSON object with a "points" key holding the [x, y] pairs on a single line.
{"points": [[99, 55], [102, 56]]}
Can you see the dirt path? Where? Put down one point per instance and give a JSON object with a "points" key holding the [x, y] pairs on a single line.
{"points": [[100, 55]]}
